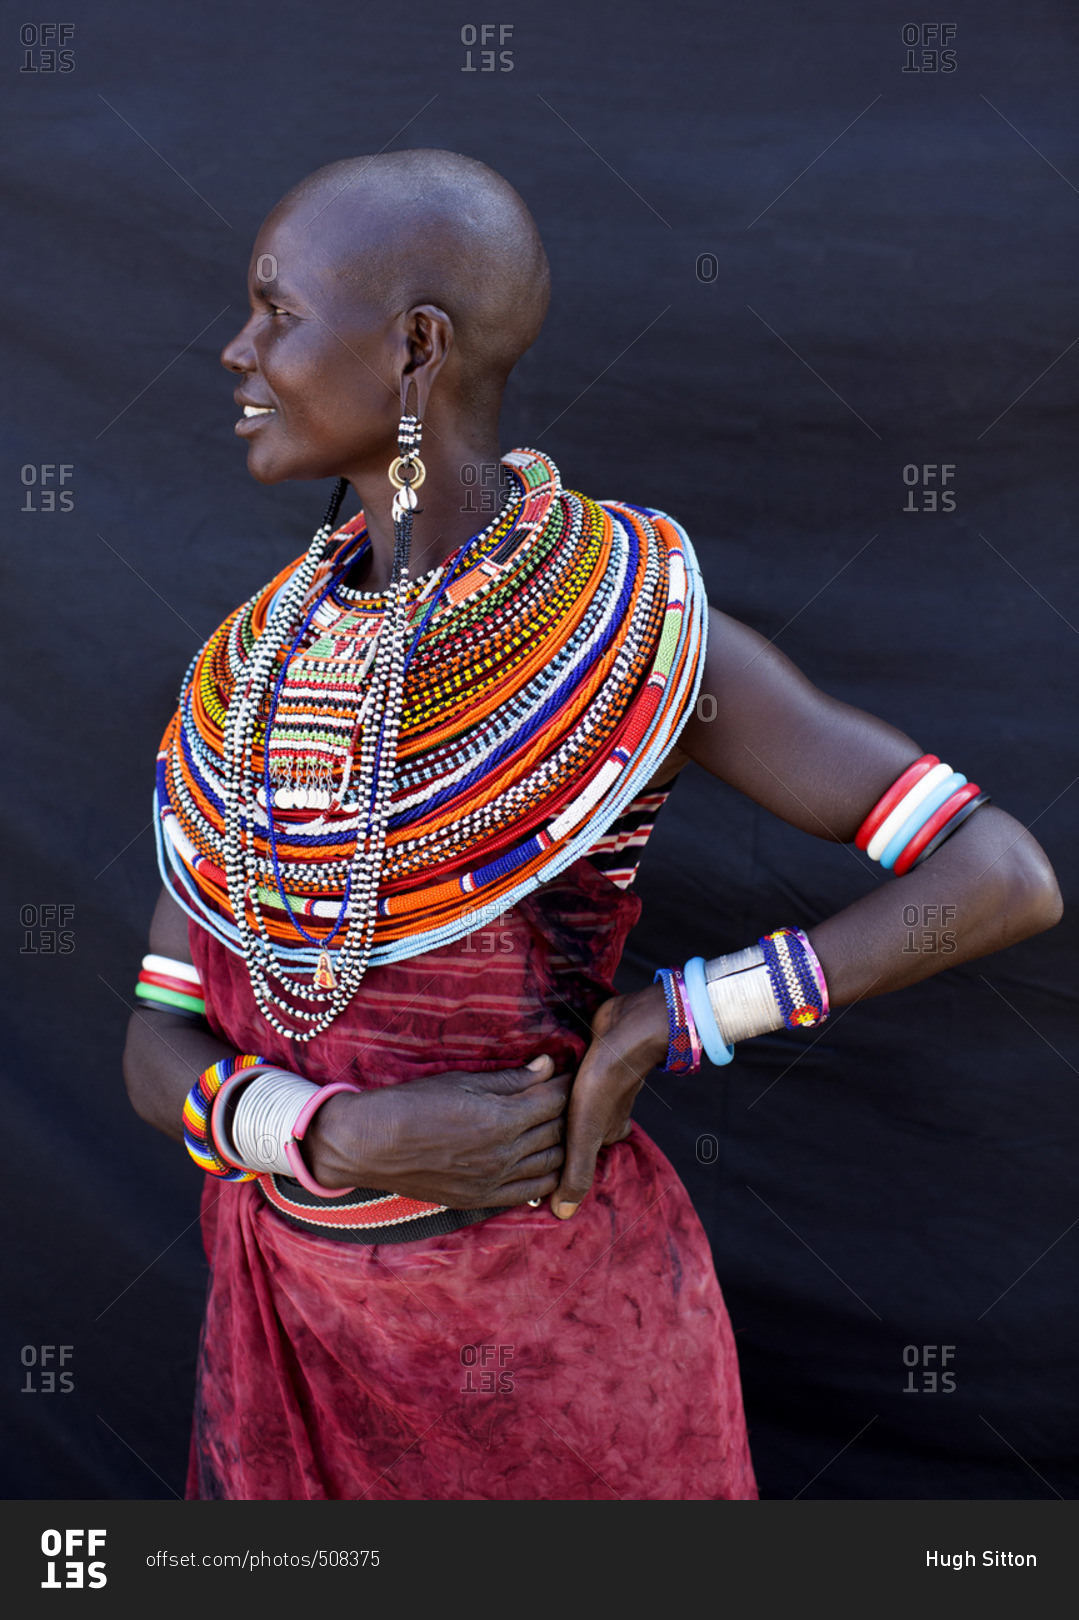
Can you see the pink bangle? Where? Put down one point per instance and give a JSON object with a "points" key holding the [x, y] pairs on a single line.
{"points": [[303, 1120], [217, 1114]]}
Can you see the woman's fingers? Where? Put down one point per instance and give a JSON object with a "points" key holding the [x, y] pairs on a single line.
{"points": [[549, 1134], [548, 1162], [589, 1111], [544, 1101], [527, 1192], [507, 1082]]}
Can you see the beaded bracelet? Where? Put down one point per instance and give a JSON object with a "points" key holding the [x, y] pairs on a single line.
{"points": [[218, 1121], [797, 983], [818, 972], [198, 1107], [683, 1038], [777, 983]]}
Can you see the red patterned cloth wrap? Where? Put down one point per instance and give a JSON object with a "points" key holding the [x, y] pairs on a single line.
{"points": [[521, 1358]]}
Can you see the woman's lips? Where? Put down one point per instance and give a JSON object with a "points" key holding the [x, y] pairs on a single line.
{"points": [[253, 418]]}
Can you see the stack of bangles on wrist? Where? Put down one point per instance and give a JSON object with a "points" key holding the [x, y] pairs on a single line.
{"points": [[269, 1118], [776, 984], [779, 983]]}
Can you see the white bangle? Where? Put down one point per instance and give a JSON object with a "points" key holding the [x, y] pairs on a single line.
{"points": [[175, 969], [906, 806]]}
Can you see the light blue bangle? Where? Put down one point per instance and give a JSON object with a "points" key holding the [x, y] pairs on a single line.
{"points": [[701, 1007], [919, 817]]}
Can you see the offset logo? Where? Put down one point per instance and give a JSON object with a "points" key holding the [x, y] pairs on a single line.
{"points": [[80, 1563]]}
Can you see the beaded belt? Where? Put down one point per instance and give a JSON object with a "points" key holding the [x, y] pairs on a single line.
{"points": [[364, 1215]]}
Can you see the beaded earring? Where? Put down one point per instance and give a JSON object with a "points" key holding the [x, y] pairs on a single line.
{"points": [[407, 471]]}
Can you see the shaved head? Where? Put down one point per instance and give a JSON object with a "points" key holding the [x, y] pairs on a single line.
{"points": [[433, 227], [408, 281]]}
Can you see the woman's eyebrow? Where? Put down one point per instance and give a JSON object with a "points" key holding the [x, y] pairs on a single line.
{"points": [[272, 290]]}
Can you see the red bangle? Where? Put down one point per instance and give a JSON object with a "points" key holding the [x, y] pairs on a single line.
{"points": [[166, 981], [885, 805], [940, 818]]}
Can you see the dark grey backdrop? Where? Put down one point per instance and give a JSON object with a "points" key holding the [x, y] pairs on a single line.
{"points": [[891, 287]]}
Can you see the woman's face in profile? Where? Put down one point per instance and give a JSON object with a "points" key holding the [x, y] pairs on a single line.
{"points": [[313, 364]]}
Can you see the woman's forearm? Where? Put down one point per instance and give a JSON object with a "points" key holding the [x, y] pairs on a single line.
{"points": [[987, 887], [457, 1139], [163, 1058]]}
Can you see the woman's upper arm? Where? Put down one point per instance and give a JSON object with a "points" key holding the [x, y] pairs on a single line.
{"points": [[168, 929], [762, 726]]}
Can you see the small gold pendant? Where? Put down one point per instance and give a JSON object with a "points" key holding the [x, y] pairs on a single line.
{"points": [[324, 974]]}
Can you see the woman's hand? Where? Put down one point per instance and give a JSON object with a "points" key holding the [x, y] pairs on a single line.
{"points": [[629, 1037], [471, 1141]]}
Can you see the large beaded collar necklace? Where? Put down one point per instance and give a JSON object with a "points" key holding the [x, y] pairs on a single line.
{"points": [[357, 777]]}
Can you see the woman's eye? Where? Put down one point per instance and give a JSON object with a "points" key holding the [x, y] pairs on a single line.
{"points": [[275, 309]]}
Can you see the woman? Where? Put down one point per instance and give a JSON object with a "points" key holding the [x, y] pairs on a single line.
{"points": [[399, 809]]}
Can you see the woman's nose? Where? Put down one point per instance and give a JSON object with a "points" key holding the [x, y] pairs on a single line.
{"points": [[238, 355]]}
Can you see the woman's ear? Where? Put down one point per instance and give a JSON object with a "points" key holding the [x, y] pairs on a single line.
{"points": [[430, 339]]}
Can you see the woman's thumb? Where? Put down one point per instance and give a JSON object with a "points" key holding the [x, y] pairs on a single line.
{"points": [[538, 1064]]}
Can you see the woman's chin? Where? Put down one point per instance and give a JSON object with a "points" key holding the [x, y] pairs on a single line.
{"points": [[267, 468], [274, 469]]}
